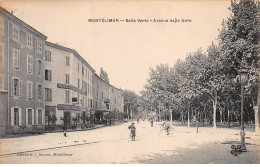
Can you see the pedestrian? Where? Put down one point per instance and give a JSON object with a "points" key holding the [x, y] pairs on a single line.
{"points": [[64, 133], [132, 131], [137, 120], [151, 122]]}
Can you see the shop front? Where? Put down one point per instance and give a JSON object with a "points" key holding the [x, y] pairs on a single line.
{"points": [[104, 117], [70, 116]]}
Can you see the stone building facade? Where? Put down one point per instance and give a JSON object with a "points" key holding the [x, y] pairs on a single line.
{"points": [[43, 83], [21, 75], [68, 86]]}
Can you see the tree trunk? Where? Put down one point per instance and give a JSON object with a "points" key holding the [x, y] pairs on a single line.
{"points": [[171, 116], [182, 121], [197, 125], [214, 115], [159, 113], [257, 108], [221, 115], [224, 116], [127, 112], [215, 111], [228, 118], [188, 118]]}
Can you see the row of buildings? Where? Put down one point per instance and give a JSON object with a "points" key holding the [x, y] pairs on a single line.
{"points": [[43, 83]]}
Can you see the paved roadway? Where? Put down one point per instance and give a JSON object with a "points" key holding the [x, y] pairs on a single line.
{"points": [[112, 145]]}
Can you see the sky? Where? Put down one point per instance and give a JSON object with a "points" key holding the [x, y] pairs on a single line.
{"points": [[125, 50]]}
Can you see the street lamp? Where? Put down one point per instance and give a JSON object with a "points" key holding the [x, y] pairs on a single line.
{"points": [[243, 78]]}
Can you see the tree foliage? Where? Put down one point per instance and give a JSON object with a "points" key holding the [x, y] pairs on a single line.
{"points": [[208, 84]]}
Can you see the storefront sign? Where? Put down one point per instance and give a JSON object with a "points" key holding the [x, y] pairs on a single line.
{"points": [[68, 107], [64, 86]]}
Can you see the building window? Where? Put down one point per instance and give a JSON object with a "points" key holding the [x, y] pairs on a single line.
{"points": [[29, 116], [29, 63], [91, 103], [67, 96], [16, 33], [82, 70], [16, 87], [40, 117], [47, 75], [1, 52], [16, 58], [67, 81], [39, 92], [78, 83], [47, 56], [39, 67], [29, 41], [67, 61], [16, 116], [48, 94], [74, 100], [102, 95], [39, 46], [29, 89]]}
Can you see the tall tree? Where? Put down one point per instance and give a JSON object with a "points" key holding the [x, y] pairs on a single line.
{"points": [[239, 42]]}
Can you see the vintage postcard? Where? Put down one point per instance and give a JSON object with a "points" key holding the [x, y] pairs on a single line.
{"points": [[129, 82]]}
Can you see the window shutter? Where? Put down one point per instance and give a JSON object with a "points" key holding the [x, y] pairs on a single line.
{"points": [[12, 116], [45, 56], [43, 117], [20, 116], [27, 91], [20, 88], [12, 86], [50, 75], [27, 63], [50, 56], [26, 116], [36, 117], [18, 57], [32, 116], [42, 93], [13, 57], [37, 68], [50, 95]]}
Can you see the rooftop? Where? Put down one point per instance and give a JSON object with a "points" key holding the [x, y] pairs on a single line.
{"points": [[13, 17], [57, 46]]}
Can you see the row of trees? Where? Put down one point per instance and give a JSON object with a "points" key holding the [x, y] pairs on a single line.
{"points": [[207, 83], [132, 104]]}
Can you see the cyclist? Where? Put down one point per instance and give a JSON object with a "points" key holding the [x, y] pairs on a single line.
{"points": [[132, 131]]}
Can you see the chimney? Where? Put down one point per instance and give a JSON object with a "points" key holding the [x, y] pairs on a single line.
{"points": [[12, 12]]}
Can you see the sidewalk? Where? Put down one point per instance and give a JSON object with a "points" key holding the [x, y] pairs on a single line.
{"points": [[5, 136], [47, 141]]}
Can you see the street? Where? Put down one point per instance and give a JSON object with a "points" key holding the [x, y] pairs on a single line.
{"points": [[112, 145]]}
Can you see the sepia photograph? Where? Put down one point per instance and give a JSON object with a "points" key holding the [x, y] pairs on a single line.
{"points": [[129, 82]]}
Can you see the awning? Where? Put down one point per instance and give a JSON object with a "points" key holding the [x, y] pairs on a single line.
{"points": [[101, 111]]}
